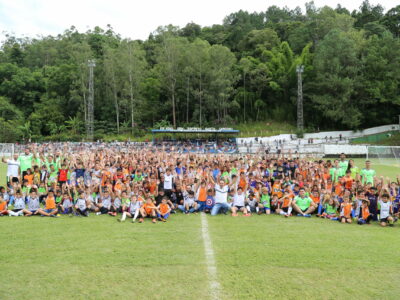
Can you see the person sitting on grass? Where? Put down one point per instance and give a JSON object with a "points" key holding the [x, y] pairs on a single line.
{"points": [[330, 207], [132, 210], [265, 200], [81, 204], [221, 197], [239, 202], [303, 205], [148, 210], [33, 205], [386, 211], [50, 209], [189, 203], [66, 205], [284, 207], [3, 206], [163, 210], [104, 204], [365, 217], [19, 205], [209, 201], [345, 210], [252, 204]]}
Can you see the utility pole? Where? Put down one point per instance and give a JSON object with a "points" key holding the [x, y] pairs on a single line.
{"points": [[90, 102], [300, 119]]}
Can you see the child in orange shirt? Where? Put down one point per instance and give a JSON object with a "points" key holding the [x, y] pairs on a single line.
{"points": [[365, 217], [148, 210], [3, 206], [345, 210], [163, 210]]}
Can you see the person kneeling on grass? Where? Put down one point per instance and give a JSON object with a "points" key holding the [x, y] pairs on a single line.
{"points": [[386, 211], [132, 210], [303, 205], [163, 210], [148, 210]]}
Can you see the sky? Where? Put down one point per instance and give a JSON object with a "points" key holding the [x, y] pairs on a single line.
{"points": [[132, 18]]}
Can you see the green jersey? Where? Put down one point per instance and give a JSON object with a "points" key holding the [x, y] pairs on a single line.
{"points": [[125, 201], [343, 165], [303, 203], [329, 209], [367, 175], [265, 200], [335, 173], [25, 162], [354, 172]]}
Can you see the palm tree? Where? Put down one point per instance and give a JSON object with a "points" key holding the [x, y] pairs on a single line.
{"points": [[26, 130], [74, 124]]}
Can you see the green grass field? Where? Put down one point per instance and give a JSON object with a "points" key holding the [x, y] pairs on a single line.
{"points": [[261, 257]]}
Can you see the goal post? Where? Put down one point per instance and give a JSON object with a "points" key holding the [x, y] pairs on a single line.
{"points": [[385, 155]]}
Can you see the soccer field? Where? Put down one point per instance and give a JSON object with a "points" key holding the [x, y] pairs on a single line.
{"points": [[261, 257]]}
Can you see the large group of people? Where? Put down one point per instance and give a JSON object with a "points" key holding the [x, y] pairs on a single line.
{"points": [[135, 183]]}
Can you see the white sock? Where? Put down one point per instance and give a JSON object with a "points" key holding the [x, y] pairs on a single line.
{"points": [[248, 208], [123, 216], [14, 214], [136, 215], [289, 210], [257, 209], [282, 213]]}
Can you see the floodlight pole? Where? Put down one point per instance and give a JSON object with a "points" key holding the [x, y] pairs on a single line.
{"points": [[300, 119], [90, 103]]}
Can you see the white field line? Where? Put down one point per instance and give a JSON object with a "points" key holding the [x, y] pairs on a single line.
{"points": [[210, 260]]}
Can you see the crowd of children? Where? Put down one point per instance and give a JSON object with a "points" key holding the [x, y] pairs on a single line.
{"points": [[153, 183]]}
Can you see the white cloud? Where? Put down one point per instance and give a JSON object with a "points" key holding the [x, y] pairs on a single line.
{"points": [[134, 19]]}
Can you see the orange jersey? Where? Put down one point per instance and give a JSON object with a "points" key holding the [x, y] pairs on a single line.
{"points": [[164, 208], [346, 210], [148, 208], [348, 182], [50, 203], [365, 212], [338, 189], [276, 190], [202, 194], [153, 187], [29, 178], [3, 206], [242, 183], [315, 199]]}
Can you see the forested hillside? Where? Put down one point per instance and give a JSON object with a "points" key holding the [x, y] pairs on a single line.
{"points": [[239, 71]]}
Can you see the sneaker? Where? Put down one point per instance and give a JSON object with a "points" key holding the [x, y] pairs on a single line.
{"points": [[286, 215], [299, 215], [141, 220], [98, 213], [133, 221], [86, 214], [307, 215], [154, 221], [163, 220], [58, 215], [119, 220], [234, 214], [247, 215]]}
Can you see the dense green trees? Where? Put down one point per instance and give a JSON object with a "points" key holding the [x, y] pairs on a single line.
{"points": [[242, 70]]}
